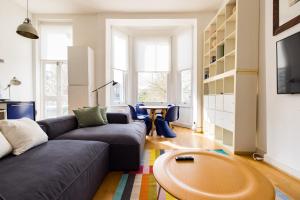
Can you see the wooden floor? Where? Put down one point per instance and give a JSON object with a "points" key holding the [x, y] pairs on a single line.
{"points": [[187, 139]]}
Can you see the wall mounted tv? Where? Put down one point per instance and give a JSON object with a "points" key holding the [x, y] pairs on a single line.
{"points": [[288, 65]]}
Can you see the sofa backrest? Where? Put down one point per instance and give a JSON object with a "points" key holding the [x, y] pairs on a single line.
{"points": [[55, 127]]}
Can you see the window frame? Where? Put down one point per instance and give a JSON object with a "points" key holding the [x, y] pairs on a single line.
{"points": [[124, 98], [181, 102]]}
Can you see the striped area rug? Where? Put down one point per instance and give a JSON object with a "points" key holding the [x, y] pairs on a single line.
{"points": [[141, 184]]}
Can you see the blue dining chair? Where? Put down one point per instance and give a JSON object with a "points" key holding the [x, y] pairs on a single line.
{"points": [[146, 119], [141, 111], [162, 124]]}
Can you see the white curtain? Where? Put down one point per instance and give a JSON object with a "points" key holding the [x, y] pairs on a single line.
{"points": [[152, 53], [185, 49], [119, 50], [55, 39]]}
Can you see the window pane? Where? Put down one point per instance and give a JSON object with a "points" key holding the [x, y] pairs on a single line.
{"points": [[50, 109], [186, 86], [64, 106], [64, 89], [118, 90], [54, 41], [152, 87], [50, 79], [64, 80], [119, 50]]}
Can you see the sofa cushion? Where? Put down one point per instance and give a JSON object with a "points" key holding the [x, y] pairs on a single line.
{"points": [[129, 134], [88, 117], [22, 134], [5, 147], [56, 126], [126, 142], [55, 170]]}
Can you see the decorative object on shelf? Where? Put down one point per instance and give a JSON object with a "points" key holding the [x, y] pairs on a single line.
{"points": [[1, 60], [26, 29], [213, 59], [206, 74], [96, 90], [286, 15], [13, 82]]}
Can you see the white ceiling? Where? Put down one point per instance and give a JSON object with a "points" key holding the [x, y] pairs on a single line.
{"points": [[94, 6]]}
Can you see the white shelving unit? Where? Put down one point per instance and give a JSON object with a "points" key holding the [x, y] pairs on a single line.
{"points": [[230, 76]]}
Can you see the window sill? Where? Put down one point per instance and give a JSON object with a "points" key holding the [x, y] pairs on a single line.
{"points": [[185, 105], [118, 105]]}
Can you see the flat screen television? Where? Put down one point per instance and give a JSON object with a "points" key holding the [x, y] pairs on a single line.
{"points": [[288, 65]]}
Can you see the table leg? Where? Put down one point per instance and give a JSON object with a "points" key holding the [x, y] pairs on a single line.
{"points": [[158, 193], [152, 113]]}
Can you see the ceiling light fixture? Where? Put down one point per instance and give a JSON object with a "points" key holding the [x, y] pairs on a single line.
{"points": [[26, 29]]}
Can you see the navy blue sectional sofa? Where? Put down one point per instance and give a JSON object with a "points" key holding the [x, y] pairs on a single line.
{"points": [[74, 162]]}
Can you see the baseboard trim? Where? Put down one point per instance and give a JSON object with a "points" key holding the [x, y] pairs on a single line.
{"points": [[260, 151], [182, 124], [294, 173], [244, 153]]}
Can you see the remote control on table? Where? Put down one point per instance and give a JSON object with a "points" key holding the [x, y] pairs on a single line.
{"points": [[184, 158]]}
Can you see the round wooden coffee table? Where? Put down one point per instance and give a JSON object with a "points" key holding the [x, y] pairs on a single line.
{"points": [[211, 176]]}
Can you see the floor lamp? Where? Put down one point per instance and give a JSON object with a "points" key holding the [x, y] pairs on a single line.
{"points": [[13, 82], [96, 90]]}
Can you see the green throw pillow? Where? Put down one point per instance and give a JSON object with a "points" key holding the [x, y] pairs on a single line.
{"points": [[89, 117], [103, 114], [103, 111]]}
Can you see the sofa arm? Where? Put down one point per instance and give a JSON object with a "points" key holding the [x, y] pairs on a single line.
{"points": [[118, 118], [55, 127]]}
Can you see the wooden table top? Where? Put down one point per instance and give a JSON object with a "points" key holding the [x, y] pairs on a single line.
{"points": [[153, 107], [211, 176]]}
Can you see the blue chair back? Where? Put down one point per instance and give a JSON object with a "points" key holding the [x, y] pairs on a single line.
{"points": [[132, 112], [140, 111], [172, 114]]}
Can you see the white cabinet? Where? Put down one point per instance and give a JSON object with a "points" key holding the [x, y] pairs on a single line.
{"points": [[211, 116], [219, 102], [228, 121], [219, 118], [206, 103], [212, 101], [229, 103]]}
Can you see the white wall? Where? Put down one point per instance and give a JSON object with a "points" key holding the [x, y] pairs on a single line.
{"points": [[16, 51], [279, 115]]}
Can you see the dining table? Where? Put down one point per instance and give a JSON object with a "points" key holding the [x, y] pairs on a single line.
{"points": [[152, 113]]}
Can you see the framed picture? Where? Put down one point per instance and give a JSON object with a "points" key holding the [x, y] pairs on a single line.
{"points": [[286, 14]]}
